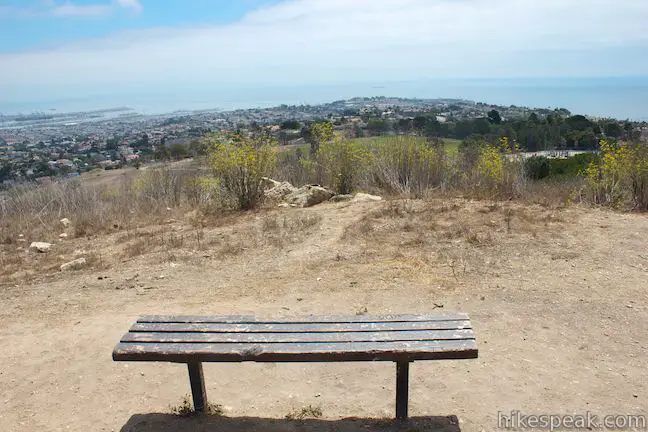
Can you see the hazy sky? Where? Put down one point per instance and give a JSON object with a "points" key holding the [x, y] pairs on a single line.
{"points": [[55, 48]]}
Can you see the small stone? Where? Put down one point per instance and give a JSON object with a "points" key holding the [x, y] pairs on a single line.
{"points": [[74, 265], [635, 395], [160, 277], [363, 197], [629, 306], [66, 222], [41, 247], [319, 279], [63, 236]]}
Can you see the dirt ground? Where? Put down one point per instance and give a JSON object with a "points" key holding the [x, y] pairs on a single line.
{"points": [[558, 298]]}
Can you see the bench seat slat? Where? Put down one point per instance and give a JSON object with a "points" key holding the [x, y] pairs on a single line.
{"points": [[296, 352], [299, 327], [449, 316], [384, 336], [195, 318]]}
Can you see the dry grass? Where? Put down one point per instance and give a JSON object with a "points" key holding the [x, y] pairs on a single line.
{"points": [[169, 215], [147, 198], [456, 235], [280, 230], [181, 241]]}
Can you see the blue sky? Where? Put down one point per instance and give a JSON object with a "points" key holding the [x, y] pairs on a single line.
{"points": [[53, 49], [37, 24]]}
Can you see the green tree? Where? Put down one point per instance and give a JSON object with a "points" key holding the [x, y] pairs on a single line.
{"points": [[112, 143], [578, 123], [378, 126], [419, 123], [404, 125], [613, 129], [319, 134], [291, 124], [463, 129], [178, 151], [494, 117], [142, 143], [482, 126], [5, 172]]}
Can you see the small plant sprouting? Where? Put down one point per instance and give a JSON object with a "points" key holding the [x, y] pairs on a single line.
{"points": [[185, 408], [306, 412]]}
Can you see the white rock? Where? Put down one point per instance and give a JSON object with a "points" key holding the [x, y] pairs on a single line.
{"points": [[66, 222], [21, 235], [74, 265], [270, 183], [309, 195], [63, 235], [363, 197], [279, 190], [41, 247]]}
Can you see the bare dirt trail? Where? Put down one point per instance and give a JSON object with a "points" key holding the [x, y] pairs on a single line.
{"points": [[558, 298]]}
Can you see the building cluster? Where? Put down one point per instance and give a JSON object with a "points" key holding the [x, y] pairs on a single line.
{"points": [[41, 146]]}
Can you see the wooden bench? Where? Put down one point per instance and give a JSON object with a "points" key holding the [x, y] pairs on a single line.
{"points": [[398, 338]]}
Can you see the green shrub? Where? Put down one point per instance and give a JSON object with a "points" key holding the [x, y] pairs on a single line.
{"points": [[573, 166], [241, 161], [620, 178], [537, 168], [498, 171], [344, 161]]}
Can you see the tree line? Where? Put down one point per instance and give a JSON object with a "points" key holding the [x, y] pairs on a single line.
{"points": [[550, 130]]}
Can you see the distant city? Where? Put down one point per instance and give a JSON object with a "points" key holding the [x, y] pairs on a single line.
{"points": [[44, 145]]}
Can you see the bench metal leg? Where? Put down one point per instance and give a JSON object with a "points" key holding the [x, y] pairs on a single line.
{"points": [[402, 389], [197, 381]]}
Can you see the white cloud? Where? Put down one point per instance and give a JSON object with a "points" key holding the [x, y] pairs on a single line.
{"points": [[134, 5], [70, 9], [333, 41]]}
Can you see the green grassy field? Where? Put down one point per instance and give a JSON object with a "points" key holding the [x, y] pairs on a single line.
{"points": [[451, 145]]}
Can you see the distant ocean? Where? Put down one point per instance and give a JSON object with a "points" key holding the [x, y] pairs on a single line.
{"points": [[609, 97]]}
